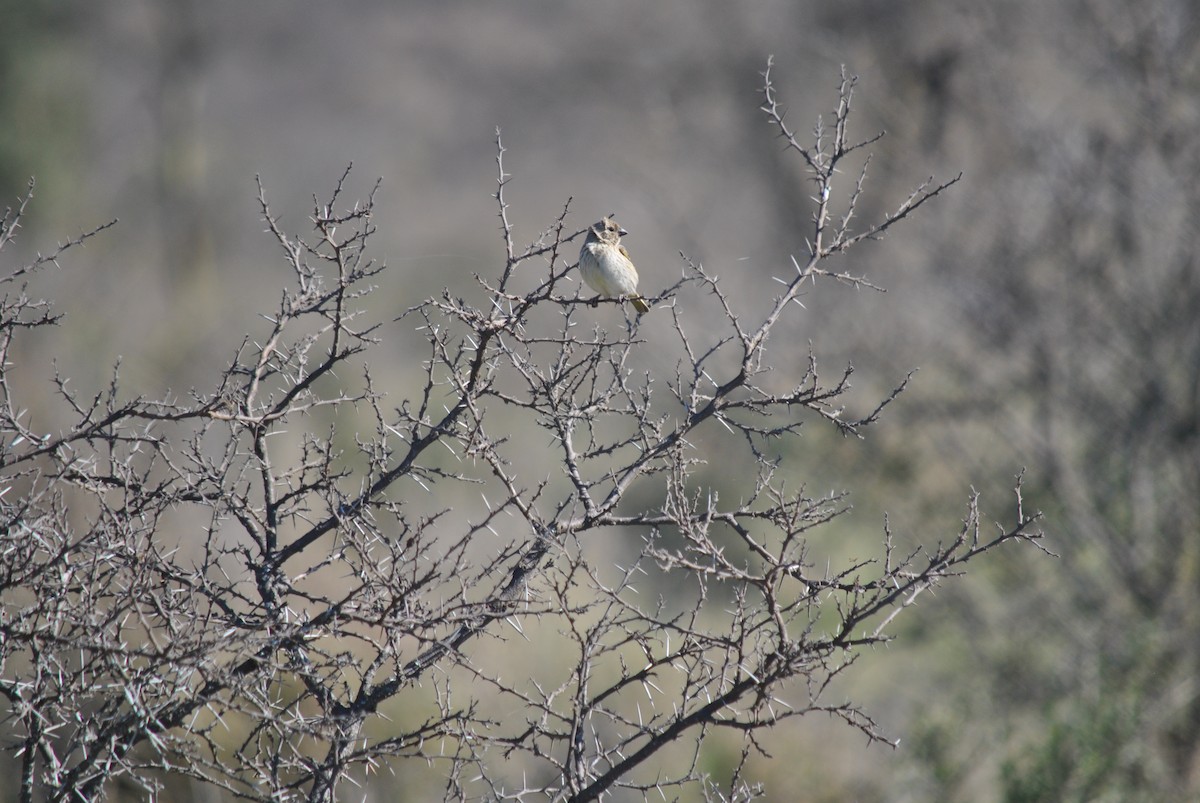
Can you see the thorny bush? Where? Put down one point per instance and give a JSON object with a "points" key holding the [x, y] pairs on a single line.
{"points": [[211, 588]]}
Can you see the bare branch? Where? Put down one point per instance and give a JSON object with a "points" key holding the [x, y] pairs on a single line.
{"points": [[286, 582]]}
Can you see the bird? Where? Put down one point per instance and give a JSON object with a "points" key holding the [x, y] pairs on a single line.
{"points": [[606, 266]]}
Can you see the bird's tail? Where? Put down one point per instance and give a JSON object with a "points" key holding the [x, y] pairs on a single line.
{"points": [[640, 304]]}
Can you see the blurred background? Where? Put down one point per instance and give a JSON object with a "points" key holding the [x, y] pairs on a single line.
{"points": [[1051, 299]]}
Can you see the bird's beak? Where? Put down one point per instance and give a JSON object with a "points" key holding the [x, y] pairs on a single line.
{"points": [[621, 231]]}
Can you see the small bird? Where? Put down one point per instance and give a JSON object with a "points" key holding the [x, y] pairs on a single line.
{"points": [[606, 266]]}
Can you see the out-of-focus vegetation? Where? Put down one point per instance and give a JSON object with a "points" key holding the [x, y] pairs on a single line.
{"points": [[40, 94], [1052, 305]]}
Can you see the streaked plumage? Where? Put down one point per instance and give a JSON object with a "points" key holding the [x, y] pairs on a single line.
{"points": [[605, 264]]}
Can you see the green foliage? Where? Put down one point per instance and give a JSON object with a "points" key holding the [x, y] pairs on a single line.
{"points": [[1083, 757]]}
